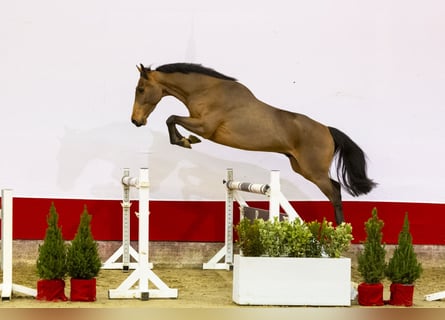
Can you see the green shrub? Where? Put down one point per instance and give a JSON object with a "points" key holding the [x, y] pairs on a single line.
{"points": [[371, 261], [329, 240], [339, 240], [403, 266], [298, 239], [314, 248], [51, 261], [83, 261], [249, 237], [273, 238], [292, 239]]}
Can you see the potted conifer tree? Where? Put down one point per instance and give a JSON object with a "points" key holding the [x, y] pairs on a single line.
{"points": [[83, 261], [403, 269], [371, 263], [51, 262]]}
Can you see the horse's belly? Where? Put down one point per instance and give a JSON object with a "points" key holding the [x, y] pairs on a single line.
{"points": [[253, 140]]}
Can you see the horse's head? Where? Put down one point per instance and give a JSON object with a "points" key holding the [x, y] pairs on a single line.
{"points": [[148, 94]]}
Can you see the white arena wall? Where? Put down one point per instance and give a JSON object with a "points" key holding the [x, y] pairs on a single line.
{"points": [[373, 69]]}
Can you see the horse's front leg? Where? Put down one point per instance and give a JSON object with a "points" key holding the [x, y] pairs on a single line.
{"points": [[176, 137]]}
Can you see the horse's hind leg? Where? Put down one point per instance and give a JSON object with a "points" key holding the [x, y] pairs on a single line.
{"points": [[331, 189], [320, 177], [338, 207]]}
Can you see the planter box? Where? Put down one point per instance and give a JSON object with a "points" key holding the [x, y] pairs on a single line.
{"points": [[292, 281], [51, 290], [83, 290], [370, 294], [401, 294]]}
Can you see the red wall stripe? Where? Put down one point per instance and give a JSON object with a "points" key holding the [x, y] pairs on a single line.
{"points": [[204, 220]]}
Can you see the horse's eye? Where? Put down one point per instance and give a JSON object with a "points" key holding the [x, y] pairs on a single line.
{"points": [[140, 89]]}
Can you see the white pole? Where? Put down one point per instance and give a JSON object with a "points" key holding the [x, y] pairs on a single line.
{"points": [[229, 221], [8, 287], [275, 191], [7, 243], [126, 204], [143, 230]]}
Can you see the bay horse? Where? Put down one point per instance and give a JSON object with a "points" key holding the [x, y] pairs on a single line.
{"points": [[225, 111]]}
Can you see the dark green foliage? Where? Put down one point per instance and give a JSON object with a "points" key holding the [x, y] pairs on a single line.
{"points": [[51, 262], [83, 261], [249, 237], [371, 261], [403, 266]]}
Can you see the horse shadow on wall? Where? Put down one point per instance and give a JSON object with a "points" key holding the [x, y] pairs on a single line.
{"points": [[93, 159]]}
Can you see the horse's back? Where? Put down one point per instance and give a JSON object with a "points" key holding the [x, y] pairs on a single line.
{"points": [[243, 121]]}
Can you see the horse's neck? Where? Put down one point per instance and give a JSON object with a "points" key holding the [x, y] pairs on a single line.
{"points": [[183, 86]]}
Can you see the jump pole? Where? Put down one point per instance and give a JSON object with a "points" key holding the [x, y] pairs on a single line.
{"points": [[142, 274], [233, 188], [7, 286], [435, 296]]}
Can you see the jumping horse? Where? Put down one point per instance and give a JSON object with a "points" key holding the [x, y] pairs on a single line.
{"points": [[225, 111]]}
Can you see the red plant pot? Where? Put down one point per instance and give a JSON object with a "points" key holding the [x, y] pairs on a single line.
{"points": [[51, 290], [401, 294], [83, 290], [370, 294]]}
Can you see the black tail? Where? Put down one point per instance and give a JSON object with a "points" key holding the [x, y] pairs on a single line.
{"points": [[351, 164]]}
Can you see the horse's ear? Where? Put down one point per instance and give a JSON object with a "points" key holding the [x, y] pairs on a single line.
{"points": [[142, 71]]}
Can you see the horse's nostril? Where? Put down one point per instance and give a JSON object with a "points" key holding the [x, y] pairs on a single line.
{"points": [[137, 124]]}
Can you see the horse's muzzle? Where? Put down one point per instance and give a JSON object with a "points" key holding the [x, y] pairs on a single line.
{"points": [[136, 123]]}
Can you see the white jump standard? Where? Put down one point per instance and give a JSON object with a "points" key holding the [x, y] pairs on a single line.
{"points": [[142, 274], [125, 251], [8, 287], [276, 200]]}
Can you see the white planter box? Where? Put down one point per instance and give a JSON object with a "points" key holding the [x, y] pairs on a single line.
{"points": [[292, 281]]}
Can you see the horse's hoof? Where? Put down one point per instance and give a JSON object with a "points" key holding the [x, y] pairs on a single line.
{"points": [[193, 139], [185, 143]]}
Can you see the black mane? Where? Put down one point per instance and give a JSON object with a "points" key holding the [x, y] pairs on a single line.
{"points": [[192, 68]]}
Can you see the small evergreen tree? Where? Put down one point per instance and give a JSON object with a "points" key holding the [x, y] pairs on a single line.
{"points": [[51, 262], [371, 261], [403, 266], [83, 261]]}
